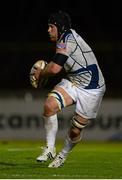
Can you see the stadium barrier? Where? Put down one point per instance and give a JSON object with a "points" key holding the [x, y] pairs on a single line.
{"points": [[22, 119]]}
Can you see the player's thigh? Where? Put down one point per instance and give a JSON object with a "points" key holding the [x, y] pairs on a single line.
{"points": [[57, 99], [67, 98]]}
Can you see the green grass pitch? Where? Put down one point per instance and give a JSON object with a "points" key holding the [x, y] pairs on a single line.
{"points": [[88, 160]]}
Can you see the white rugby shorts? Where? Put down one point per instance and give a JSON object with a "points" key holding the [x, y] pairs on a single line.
{"points": [[87, 100]]}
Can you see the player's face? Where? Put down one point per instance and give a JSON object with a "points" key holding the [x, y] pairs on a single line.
{"points": [[53, 32]]}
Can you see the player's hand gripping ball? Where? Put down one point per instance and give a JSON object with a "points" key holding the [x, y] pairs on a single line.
{"points": [[35, 72]]}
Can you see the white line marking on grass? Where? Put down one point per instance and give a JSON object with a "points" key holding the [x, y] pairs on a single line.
{"points": [[20, 149], [66, 175]]}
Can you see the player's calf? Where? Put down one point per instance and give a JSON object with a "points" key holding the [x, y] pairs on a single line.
{"points": [[78, 123]]}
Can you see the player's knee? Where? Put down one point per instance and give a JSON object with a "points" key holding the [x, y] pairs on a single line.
{"points": [[50, 107]]}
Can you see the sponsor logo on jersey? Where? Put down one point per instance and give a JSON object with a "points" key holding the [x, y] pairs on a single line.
{"points": [[61, 45]]}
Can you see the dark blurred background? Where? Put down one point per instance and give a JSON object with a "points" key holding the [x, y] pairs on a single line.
{"points": [[24, 39]]}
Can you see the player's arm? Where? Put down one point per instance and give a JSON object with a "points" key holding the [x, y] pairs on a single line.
{"points": [[39, 75], [52, 68], [56, 65]]}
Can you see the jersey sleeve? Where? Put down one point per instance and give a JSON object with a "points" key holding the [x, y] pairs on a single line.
{"points": [[60, 59], [64, 48]]}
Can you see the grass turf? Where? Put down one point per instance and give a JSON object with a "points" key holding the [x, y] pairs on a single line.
{"points": [[86, 161]]}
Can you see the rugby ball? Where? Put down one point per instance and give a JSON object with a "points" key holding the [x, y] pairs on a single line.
{"points": [[40, 64]]}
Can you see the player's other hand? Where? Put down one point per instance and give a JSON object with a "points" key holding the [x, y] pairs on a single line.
{"points": [[34, 76], [35, 72]]}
